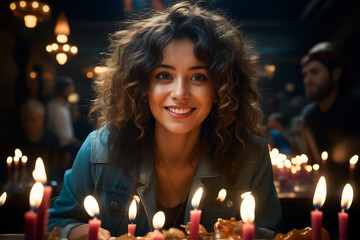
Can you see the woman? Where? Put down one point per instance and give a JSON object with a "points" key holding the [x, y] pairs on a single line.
{"points": [[176, 109]]}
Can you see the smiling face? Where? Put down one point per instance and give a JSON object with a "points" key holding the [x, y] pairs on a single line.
{"points": [[181, 93]]}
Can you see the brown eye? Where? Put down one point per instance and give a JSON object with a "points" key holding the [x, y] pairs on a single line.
{"points": [[163, 76], [199, 78]]}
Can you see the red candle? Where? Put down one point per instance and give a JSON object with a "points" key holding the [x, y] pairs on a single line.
{"points": [[247, 213], [39, 174], [316, 215], [92, 208], [30, 217], [132, 215], [94, 225], [343, 217], [195, 215], [43, 214]]}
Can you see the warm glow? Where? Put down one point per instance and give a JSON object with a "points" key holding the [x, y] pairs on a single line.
{"points": [[245, 194], [159, 220], [24, 159], [49, 48], [308, 168], [12, 6], [99, 69], [35, 4], [316, 166], [354, 160], [74, 50], [73, 98], [3, 198], [222, 195], [36, 195], [66, 47], [39, 173], [54, 46], [22, 4], [287, 163], [89, 74], [91, 206], [347, 197], [304, 158], [33, 75], [324, 155], [30, 21], [16, 159], [46, 8], [320, 193], [61, 58], [196, 199], [9, 161], [132, 210], [62, 26], [18, 152], [247, 209], [62, 38]]}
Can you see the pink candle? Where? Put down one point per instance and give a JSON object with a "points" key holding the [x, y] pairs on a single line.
{"points": [[248, 230], [195, 215], [131, 229], [43, 214], [94, 225], [343, 217], [343, 225], [157, 235], [30, 218], [316, 224], [316, 215], [132, 215], [92, 208]]}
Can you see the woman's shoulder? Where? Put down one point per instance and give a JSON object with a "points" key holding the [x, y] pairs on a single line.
{"points": [[253, 141]]}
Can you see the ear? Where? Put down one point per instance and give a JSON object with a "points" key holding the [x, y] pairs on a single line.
{"points": [[336, 73]]}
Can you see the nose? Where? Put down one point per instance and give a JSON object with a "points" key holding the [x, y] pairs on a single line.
{"points": [[180, 89]]}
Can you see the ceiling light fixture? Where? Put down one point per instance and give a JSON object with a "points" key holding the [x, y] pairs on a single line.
{"points": [[31, 11]]}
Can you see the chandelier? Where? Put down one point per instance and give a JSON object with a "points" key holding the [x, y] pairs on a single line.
{"points": [[31, 11], [61, 49]]}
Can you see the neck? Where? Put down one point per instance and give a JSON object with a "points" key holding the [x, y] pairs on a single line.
{"points": [[176, 150], [326, 104]]}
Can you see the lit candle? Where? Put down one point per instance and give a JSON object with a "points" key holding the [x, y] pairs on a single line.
{"points": [[39, 175], [3, 198], [352, 165], [24, 160], [324, 157], [9, 161], [221, 195], [346, 200], [92, 208], [195, 215], [30, 217], [132, 215], [316, 215], [158, 223], [247, 213], [16, 168]]}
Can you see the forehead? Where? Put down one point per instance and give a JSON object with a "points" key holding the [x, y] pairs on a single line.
{"points": [[315, 64]]}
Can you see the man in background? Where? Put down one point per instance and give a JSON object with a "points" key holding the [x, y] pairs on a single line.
{"points": [[332, 119]]}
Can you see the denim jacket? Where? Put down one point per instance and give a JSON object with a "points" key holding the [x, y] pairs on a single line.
{"points": [[92, 173]]}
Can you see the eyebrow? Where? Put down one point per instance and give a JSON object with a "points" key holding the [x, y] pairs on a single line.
{"points": [[190, 68]]}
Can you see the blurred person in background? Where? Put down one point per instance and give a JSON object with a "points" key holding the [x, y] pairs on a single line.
{"points": [[332, 119], [277, 133]]}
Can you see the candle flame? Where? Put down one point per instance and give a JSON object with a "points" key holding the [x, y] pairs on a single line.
{"points": [[316, 166], [308, 168], [222, 195], [159, 220], [39, 173], [304, 158], [354, 160], [247, 209], [18, 153], [9, 160], [320, 193], [245, 194], [324, 155], [36, 195], [196, 199], [24, 159], [91, 206], [16, 159], [132, 210], [347, 197], [3, 198]]}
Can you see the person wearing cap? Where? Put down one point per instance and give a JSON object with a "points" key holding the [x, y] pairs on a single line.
{"points": [[332, 119]]}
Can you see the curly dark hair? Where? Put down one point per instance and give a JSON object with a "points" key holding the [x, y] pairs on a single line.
{"points": [[136, 50]]}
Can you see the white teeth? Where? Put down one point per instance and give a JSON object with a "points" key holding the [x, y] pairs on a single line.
{"points": [[179, 110]]}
